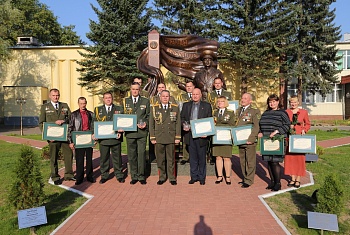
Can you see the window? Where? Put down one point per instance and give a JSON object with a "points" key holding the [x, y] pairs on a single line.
{"points": [[310, 98], [344, 62]]}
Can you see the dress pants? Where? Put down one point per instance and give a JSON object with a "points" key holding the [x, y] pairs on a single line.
{"points": [[54, 148], [247, 158], [115, 152], [198, 163], [166, 151], [137, 157], [80, 154]]}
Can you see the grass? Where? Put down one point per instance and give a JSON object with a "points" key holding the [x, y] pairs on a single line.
{"points": [[292, 207], [59, 203]]}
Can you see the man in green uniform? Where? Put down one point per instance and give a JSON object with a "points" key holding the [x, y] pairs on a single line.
{"points": [[155, 100], [182, 98], [165, 132], [247, 115], [59, 113], [136, 140], [109, 147], [217, 92]]}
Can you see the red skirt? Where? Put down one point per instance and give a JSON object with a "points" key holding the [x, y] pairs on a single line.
{"points": [[294, 164]]}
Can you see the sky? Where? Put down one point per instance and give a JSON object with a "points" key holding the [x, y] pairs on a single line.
{"points": [[79, 13]]}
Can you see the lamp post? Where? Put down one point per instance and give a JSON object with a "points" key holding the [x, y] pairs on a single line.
{"points": [[21, 101]]}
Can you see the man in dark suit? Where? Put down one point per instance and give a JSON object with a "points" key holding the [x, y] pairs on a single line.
{"points": [[217, 92], [109, 147], [59, 113], [196, 109], [81, 120], [136, 140], [247, 115]]}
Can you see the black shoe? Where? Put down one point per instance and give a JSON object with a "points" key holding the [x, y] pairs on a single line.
{"points": [[241, 182], [192, 181], [78, 182], [297, 185], [291, 183], [244, 185], [91, 180], [173, 182], [57, 182], [212, 162], [133, 181], [228, 182], [102, 181], [70, 179], [121, 180], [277, 187], [183, 162], [271, 185], [202, 182], [160, 182], [219, 181], [143, 182]]}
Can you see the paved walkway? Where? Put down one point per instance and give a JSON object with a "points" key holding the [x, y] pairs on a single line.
{"points": [[115, 208]]}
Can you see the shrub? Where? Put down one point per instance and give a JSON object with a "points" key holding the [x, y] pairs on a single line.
{"points": [[27, 190], [319, 150], [330, 196]]}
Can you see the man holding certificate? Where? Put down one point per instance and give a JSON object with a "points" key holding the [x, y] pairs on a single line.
{"points": [[58, 113], [247, 115], [165, 132], [136, 140], [81, 120], [193, 110], [110, 147]]}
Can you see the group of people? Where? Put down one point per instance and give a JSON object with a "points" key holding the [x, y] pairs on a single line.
{"points": [[165, 122]]}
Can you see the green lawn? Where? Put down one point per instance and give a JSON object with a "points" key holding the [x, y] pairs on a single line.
{"points": [[292, 207], [59, 203]]}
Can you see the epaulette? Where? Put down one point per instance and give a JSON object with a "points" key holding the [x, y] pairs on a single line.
{"points": [[175, 105]]}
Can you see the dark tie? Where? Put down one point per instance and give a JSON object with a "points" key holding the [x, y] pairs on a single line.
{"points": [[218, 93], [165, 107], [109, 109], [135, 100], [190, 94], [221, 113], [56, 107], [242, 111]]}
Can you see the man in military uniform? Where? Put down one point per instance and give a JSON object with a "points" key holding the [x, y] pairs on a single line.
{"points": [[182, 98], [59, 113], [155, 100], [217, 92], [136, 140], [165, 132], [143, 92], [246, 115], [109, 147], [204, 78]]}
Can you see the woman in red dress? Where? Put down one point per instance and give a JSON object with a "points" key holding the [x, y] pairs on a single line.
{"points": [[294, 164]]}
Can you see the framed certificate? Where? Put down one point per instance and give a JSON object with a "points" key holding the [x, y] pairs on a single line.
{"points": [[240, 134], [126, 122], [202, 127], [233, 105], [82, 139], [302, 144], [104, 130], [222, 135], [269, 147], [52, 131]]}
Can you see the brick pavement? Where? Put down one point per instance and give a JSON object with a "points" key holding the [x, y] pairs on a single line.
{"points": [[116, 208]]}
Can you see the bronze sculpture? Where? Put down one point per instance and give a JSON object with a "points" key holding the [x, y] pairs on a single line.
{"points": [[183, 55]]}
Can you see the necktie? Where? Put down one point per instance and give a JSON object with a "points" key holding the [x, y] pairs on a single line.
{"points": [[218, 92], [135, 100], [190, 94], [56, 107], [242, 111], [109, 109], [221, 113]]}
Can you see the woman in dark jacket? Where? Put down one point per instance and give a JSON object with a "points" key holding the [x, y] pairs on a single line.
{"points": [[274, 122]]}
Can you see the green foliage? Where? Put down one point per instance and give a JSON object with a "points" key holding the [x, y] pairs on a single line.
{"points": [[119, 36], [27, 190], [319, 150], [330, 196]]}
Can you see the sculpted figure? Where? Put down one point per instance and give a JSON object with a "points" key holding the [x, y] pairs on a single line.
{"points": [[204, 78]]}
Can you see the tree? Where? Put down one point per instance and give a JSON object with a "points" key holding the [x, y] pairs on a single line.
{"points": [[119, 36], [312, 58], [252, 33], [187, 17]]}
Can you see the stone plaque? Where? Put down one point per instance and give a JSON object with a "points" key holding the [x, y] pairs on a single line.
{"points": [[322, 221], [153, 49]]}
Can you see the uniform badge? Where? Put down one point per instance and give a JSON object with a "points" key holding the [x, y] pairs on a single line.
{"points": [[142, 106], [172, 116]]}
